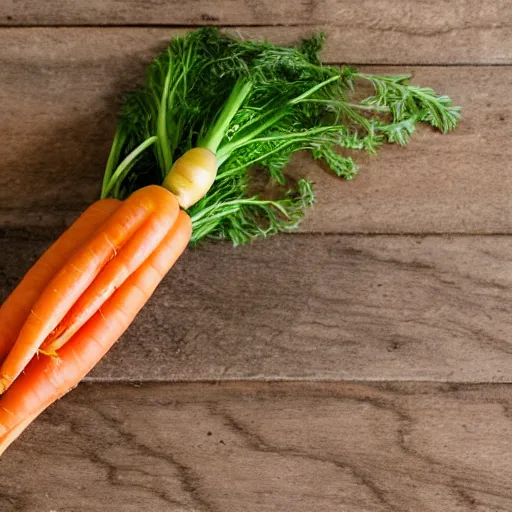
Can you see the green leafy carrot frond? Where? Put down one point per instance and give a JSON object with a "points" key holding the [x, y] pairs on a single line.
{"points": [[255, 104]]}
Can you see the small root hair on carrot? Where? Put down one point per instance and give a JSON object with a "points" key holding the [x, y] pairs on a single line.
{"points": [[48, 353], [7, 410], [32, 312], [111, 245], [93, 253]]}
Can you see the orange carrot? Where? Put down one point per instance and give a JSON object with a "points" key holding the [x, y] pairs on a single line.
{"points": [[153, 211], [16, 308], [112, 275], [48, 378]]}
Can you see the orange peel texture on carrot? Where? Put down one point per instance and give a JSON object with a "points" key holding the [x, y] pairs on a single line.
{"points": [[112, 275], [16, 308], [92, 274], [48, 378]]}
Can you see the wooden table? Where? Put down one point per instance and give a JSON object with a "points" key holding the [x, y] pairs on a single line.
{"points": [[363, 364]]}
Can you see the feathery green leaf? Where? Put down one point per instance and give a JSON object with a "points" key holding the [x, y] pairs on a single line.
{"points": [[255, 104]]}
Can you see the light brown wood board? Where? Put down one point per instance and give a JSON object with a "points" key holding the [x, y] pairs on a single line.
{"points": [[317, 307], [450, 31], [266, 448], [59, 92], [307, 306]]}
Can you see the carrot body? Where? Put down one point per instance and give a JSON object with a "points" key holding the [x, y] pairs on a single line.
{"points": [[46, 378], [112, 275], [16, 308], [151, 206]]}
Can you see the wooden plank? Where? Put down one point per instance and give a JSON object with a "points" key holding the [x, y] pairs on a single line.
{"points": [[58, 91], [266, 447], [317, 307], [385, 15], [469, 31]]}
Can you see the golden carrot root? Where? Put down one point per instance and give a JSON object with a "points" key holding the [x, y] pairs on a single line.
{"points": [[16, 308], [146, 216], [47, 378], [191, 176]]}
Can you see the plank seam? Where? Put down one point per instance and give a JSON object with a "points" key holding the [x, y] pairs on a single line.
{"points": [[43, 233], [93, 380], [400, 234]]}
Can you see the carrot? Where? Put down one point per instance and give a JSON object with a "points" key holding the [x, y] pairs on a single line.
{"points": [[113, 274], [16, 308], [153, 211], [48, 378], [191, 176]]}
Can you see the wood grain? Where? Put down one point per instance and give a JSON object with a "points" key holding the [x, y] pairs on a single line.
{"points": [[449, 31], [266, 447], [310, 307], [58, 91], [385, 14], [317, 307]]}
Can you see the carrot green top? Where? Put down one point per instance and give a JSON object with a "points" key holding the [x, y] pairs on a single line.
{"points": [[254, 104]]}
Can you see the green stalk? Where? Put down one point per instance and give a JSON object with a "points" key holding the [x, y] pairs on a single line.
{"points": [[317, 87], [161, 131], [245, 165], [126, 164], [113, 157], [340, 103], [227, 149], [216, 133], [236, 202]]}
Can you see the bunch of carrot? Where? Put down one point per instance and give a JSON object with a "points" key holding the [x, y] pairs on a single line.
{"points": [[211, 108], [80, 296]]}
